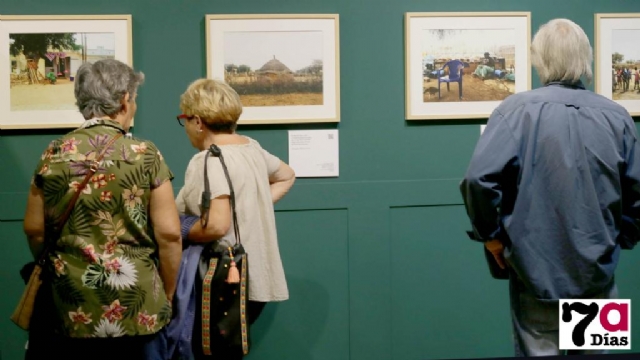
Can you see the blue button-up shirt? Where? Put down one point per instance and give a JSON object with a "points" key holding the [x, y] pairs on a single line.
{"points": [[556, 176]]}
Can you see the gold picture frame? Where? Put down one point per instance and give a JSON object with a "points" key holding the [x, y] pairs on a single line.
{"points": [[436, 40], [285, 67], [614, 50], [40, 92]]}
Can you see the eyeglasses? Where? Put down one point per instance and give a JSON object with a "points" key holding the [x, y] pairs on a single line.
{"points": [[183, 117]]}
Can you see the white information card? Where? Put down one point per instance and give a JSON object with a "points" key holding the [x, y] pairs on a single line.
{"points": [[314, 153]]}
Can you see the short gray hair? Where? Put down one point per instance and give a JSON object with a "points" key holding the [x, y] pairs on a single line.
{"points": [[560, 51], [99, 87]]}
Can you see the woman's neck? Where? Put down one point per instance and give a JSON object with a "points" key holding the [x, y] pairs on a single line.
{"points": [[220, 139], [120, 119]]}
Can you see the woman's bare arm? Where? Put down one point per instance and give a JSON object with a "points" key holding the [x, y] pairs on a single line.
{"points": [[219, 221], [34, 221], [166, 228], [281, 181]]}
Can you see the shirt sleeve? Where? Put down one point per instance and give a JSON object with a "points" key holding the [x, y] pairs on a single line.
{"points": [[180, 202], [272, 161], [219, 186], [194, 180], [159, 171], [630, 226], [483, 183], [43, 167], [36, 178]]}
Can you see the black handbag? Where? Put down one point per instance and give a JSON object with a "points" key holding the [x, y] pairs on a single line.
{"points": [[223, 282]]}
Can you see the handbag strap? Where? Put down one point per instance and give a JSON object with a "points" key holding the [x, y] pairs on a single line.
{"points": [[215, 151], [57, 229]]}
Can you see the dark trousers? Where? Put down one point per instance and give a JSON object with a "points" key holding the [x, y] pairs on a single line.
{"points": [[45, 344], [59, 347], [219, 350], [536, 322]]}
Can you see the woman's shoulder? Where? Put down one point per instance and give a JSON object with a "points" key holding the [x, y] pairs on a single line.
{"points": [[240, 143], [236, 141], [198, 157], [196, 163], [252, 142], [134, 140]]}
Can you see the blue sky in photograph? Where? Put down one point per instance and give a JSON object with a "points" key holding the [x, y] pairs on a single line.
{"points": [[627, 43], [295, 49], [96, 40], [466, 42]]}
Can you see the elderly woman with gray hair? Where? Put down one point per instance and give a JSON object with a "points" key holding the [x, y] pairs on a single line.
{"points": [[110, 271], [553, 192]]}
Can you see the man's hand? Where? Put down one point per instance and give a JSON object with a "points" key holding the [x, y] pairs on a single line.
{"points": [[496, 248]]}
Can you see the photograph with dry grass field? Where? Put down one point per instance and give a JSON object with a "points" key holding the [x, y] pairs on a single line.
{"points": [[468, 64], [275, 68], [625, 58], [44, 66]]}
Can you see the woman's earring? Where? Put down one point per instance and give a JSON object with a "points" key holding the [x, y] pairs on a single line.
{"points": [[199, 130]]}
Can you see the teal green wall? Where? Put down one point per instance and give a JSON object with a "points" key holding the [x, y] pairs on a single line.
{"points": [[377, 261]]}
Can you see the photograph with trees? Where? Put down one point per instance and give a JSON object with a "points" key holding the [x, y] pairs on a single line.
{"points": [[44, 65], [275, 68], [462, 65], [284, 67], [474, 64], [41, 56], [625, 60]]}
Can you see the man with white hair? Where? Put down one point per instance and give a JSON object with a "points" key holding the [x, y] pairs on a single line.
{"points": [[553, 189]]}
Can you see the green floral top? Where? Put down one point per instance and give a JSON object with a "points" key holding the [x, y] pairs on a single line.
{"points": [[105, 267]]}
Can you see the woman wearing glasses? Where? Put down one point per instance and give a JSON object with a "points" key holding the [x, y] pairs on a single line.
{"points": [[210, 113]]}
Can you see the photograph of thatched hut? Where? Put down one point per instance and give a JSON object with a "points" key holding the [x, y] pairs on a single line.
{"points": [[625, 58], [44, 65], [468, 65], [275, 68]]}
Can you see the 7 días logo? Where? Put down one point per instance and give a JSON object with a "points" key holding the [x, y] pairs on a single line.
{"points": [[612, 330]]}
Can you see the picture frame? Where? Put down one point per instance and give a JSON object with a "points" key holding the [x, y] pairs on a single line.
{"points": [[615, 50], [285, 67], [40, 81], [481, 57]]}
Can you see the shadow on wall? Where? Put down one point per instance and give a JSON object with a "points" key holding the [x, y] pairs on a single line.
{"points": [[14, 255]]}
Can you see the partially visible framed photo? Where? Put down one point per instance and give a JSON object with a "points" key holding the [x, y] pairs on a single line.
{"points": [[286, 68], [617, 59], [462, 65], [40, 56]]}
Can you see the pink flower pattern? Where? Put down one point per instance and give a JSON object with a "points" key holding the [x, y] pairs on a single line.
{"points": [[97, 261]]}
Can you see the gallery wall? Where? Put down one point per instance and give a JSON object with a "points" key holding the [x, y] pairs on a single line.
{"points": [[377, 260]]}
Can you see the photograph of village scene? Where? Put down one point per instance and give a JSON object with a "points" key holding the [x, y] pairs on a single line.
{"points": [[44, 65], [275, 68], [625, 57], [468, 65]]}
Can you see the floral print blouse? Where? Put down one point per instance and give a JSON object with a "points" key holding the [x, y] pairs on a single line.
{"points": [[104, 269]]}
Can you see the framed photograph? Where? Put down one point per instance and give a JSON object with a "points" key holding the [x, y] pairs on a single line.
{"points": [[286, 68], [40, 56], [462, 65], [617, 59]]}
